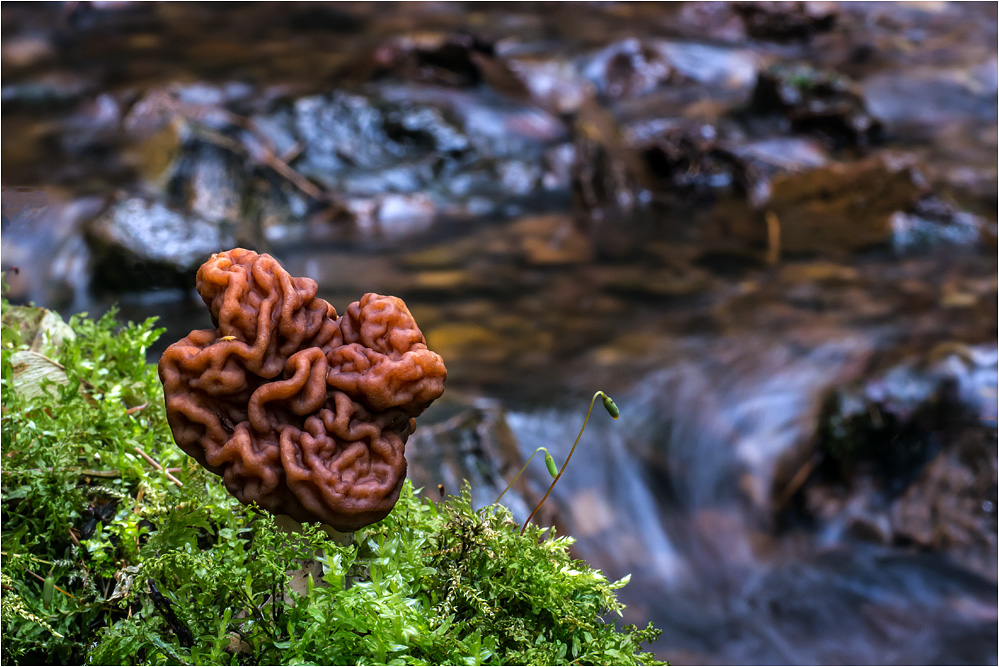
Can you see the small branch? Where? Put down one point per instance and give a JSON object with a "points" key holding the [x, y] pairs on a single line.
{"points": [[773, 238], [269, 156], [800, 477], [82, 472], [289, 155], [137, 408], [157, 466], [109, 474]]}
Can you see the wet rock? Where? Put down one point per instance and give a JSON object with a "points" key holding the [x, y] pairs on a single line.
{"points": [[683, 162], [477, 445], [141, 244], [607, 174], [445, 146], [209, 182], [907, 456], [928, 99], [50, 90], [816, 101], [951, 506], [845, 206], [337, 131], [785, 153], [627, 186], [393, 215], [786, 21], [553, 84], [717, 67], [496, 127], [928, 227], [453, 59], [672, 74], [551, 240], [629, 68], [716, 21], [44, 256]]}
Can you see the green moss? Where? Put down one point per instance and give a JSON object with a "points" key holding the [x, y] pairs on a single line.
{"points": [[106, 560]]}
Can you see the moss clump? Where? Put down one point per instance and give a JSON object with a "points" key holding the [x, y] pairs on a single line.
{"points": [[109, 560]]}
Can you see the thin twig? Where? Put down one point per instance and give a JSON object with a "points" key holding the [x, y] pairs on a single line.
{"points": [[800, 477], [109, 474], [289, 155], [773, 238], [269, 156], [157, 466], [82, 472], [137, 408]]}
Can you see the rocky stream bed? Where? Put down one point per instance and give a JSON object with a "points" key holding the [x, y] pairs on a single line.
{"points": [[767, 229]]}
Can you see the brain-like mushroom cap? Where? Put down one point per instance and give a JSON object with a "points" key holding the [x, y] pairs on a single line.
{"points": [[303, 413]]}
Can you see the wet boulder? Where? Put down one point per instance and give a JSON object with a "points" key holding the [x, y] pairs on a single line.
{"points": [[657, 79], [141, 244], [906, 455], [786, 21], [457, 59], [343, 132], [474, 444], [817, 102], [880, 201], [691, 161], [626, 184], [554, 83], [451, 146], [629, 68], [610, 192]]}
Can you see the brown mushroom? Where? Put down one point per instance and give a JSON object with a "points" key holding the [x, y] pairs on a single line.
{"points": [[302, 412]]}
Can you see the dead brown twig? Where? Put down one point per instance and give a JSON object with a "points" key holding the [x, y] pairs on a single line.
{"points": [[82, 472], [156, 465], [773, 238], [268, 154]]}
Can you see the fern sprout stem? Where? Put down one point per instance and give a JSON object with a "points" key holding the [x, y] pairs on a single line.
{"points": [[529, 459], [612, 411]]}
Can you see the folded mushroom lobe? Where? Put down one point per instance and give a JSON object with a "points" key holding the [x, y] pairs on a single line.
{"points": [[299, 411]]}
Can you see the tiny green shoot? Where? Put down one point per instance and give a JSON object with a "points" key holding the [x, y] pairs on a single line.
{"points": [[612, 410]]}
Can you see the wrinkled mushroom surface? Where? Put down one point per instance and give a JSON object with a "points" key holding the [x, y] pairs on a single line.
{"points": [[302, 412]]}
